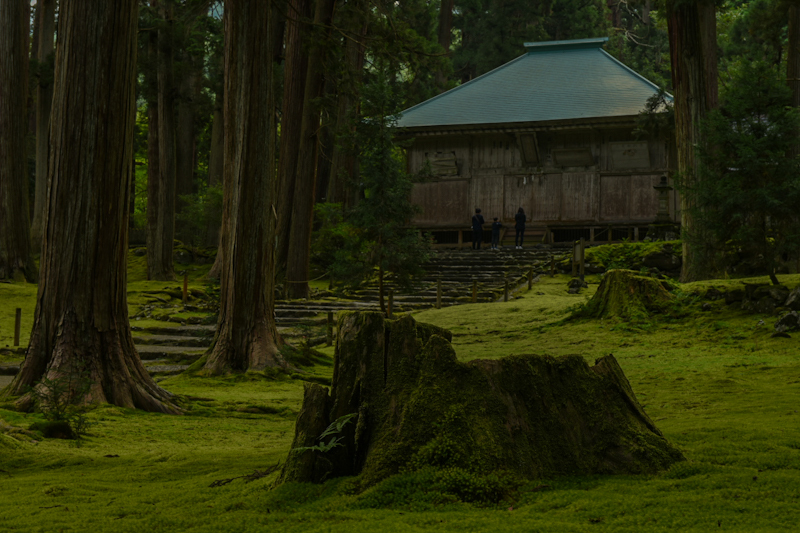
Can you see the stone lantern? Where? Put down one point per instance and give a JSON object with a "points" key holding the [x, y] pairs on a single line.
{"points": [[663, 202], [662, 228]]}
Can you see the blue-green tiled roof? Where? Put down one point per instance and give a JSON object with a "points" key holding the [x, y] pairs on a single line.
{"points": [[557, 80]]}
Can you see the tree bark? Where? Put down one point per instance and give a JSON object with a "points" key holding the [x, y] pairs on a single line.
{"points": [[161, 195], [215, 157], [445, 37], [299, 253], [247, 338], [44, 98], [185, 136], [81, 318], [294, 83], [413, 405], [693, 53], [343, 160], [793, 61], [15, 243]]}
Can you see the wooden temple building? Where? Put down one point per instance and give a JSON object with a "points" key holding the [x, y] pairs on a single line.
{"points": [[551, 132]]}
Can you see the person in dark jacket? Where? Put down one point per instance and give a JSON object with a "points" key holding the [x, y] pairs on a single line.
{"points": [[519, 226], [477, 229], [496, 233]]}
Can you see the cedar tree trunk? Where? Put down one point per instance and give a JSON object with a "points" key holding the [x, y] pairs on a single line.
{"points": [[445, 36], [185, 136], [15, 243], [81, 319], [343, 160], [693, 53], [793, 60], [215, 157], [299, 253], [414, 405], [247, 338], [294, 86], [46, 17], [161, 194]]}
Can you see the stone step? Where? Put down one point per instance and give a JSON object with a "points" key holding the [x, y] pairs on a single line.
{"points": [[172, 340], [166, 370], [189, 331], [173, 353], [9, 369]]}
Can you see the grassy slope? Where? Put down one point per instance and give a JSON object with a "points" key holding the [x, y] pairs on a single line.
{"points": [[717, 385]]}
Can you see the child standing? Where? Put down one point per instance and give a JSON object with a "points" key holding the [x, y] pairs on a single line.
{"points": [[496, 233]]}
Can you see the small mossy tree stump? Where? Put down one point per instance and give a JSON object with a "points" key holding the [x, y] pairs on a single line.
{"points": [[627, 295], [413, 405]]}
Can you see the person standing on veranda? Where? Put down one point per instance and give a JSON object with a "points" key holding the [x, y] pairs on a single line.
{"points": [[519, 226]]}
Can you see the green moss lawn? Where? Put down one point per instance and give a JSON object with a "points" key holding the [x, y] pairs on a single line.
{"points": [[715, 382]]}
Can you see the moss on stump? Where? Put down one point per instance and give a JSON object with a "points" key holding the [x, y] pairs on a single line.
{"points": [[627, 295], [415, 406]]}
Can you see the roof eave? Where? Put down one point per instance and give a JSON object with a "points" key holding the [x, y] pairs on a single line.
{"points": [[516, 127]]}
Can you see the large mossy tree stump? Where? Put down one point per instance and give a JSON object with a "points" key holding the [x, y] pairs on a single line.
{"points": [[627, 295], [414, 405]]}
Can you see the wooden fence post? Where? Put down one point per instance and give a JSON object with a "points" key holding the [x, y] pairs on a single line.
{"points": [[475, 290], [185, 288], [583, 258], [17, 323], [329, 329], [439, 293], [391, 303]]}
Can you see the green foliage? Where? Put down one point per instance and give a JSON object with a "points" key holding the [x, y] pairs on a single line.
{"points": [[657, 119], [60, 401], [374, 234], [641, 41], [628, 256], [748, 186], [201, 216], [333, 430], [490, 32]]}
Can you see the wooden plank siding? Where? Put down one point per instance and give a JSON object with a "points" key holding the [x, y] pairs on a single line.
{"points": [[442, 203], [617, 188]]}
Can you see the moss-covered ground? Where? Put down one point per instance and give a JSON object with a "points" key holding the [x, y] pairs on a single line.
{"points": [[714, 381]]}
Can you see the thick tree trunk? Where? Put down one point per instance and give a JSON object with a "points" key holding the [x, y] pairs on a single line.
{"points": [[343, 160], [298, 259], [693, 53], [81, 320], [185, 136], [294, 86], [247, 338], [15, 243], [414, 405], [445, 36], [46, 16], [161, 195], [215, 156], [793, 60]]}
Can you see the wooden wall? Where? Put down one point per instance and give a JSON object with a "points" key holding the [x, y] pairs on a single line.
{"points": [[617, 188]]}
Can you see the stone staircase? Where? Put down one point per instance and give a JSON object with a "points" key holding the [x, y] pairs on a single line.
{"points": [[170, 348]]}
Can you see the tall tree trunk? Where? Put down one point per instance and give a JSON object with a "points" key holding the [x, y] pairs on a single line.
{"points": [[294, 84], [185, 136], [793, 60], [343, 159], [215, 156], [46, 16], [445, 37], [161, 195], [298, 257], [81, 319], [693, 53], [247, 338], [15, 243]]}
